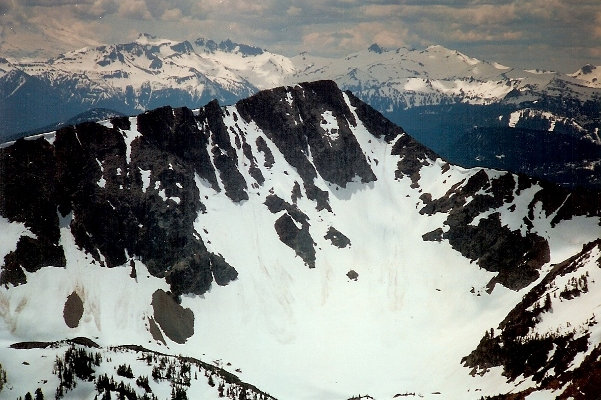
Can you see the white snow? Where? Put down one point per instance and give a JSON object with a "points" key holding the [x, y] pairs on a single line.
{"points": [[514, 118], [330, 125], [11, 232], [500, 66], [101, 182], [129, 136], [416, 84], [145, 174]]}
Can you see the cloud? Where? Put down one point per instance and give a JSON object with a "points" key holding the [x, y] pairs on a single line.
{"points": [[135, 9], [382, 10], [5, 6], [96, 9], [356, 37], [52, 3], [597, 28], [294, 11]]}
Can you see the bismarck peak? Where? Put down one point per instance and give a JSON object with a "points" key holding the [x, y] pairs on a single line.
{"points": [[153, 159], [206, 231]]}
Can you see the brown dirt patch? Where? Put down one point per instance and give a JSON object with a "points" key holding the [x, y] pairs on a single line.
{"points": [[175, 321], [73, 310]]}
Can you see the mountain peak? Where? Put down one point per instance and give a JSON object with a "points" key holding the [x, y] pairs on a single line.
{"points": [[587, 69], [148, 39], [375, 48], [228, 46], [144, 35]]}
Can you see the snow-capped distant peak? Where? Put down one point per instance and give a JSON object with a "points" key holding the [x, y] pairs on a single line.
{"points": [[375, 48], [227, 46], [438, 49], [587, 69], [500, 66], [146, 38], [589, 74]]}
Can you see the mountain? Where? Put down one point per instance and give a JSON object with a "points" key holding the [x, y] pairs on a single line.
{"points": [[448, 101], [93, 114], [131, 78], [443, 97], [294, 245], [589, 74]]}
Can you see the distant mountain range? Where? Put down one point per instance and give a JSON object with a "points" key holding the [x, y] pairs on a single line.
{"points": [[442, 97]]}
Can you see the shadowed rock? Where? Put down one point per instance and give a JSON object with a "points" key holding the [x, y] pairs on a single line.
{"points": [[73, 310], [176, 322]]}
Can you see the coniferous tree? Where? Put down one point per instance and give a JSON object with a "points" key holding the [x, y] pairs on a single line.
{"points": [[2, 377], [547, 305]]}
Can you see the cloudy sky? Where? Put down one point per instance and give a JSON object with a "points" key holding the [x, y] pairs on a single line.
{"points": [[560, 35]]}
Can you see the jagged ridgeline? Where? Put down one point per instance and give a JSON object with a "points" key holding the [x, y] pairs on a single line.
{"points": [[298, 221], [127, 188]]}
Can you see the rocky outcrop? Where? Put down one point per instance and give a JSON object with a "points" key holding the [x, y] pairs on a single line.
{"points": [[92, 180], [515, 255], [337, 238], [224, 155], [286, 226], [523, 347], [293, 118], [29, 194], [73, 310], [175, 321]]}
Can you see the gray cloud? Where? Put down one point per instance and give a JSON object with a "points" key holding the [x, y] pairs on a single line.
{"points": [[5, 6]]}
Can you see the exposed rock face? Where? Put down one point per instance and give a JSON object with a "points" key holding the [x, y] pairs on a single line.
{"points": [[337, 238], [224, 155], [176, 322], [155, 332], [91, 173], [517, 257], [293, 118], [73, 310], [28, 194], [352, 275], [525, 348], [286, 226]]}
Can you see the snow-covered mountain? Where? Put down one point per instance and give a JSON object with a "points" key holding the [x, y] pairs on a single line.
{"points": [[297, 241], [133, 77], [589, 74], [439, 95], [140, 73]]}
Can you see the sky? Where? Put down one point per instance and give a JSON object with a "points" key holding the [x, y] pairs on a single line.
{"points": [[559, 35]]}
